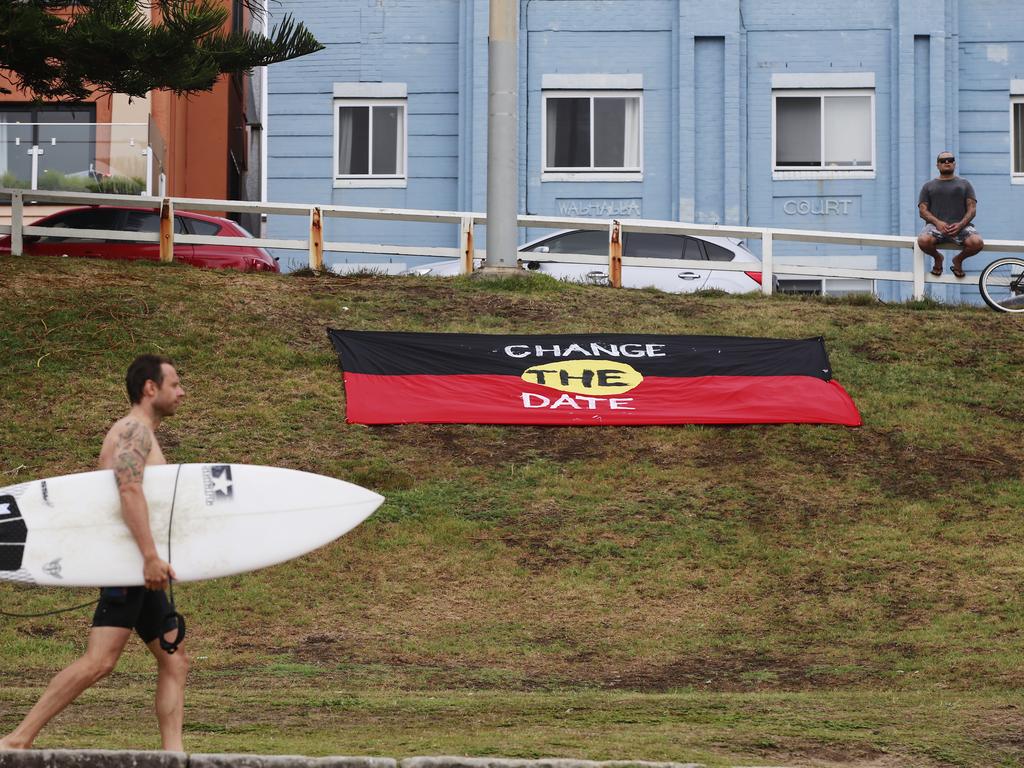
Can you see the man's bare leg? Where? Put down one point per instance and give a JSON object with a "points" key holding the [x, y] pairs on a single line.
{"points": [[172, 670], [972, 245], [929, 245], [100, 658]]}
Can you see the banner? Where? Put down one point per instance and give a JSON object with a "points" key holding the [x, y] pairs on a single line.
{"points": [[587, 378]]}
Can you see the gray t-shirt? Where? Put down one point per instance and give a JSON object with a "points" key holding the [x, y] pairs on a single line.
{"points": [[947, 200]]}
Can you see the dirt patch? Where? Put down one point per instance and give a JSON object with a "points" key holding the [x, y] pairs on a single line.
{"points": [[469, 444], [908, 470], [816, 755]]}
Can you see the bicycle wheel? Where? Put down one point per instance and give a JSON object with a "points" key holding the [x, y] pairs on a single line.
{"points": [[1002, 284]]}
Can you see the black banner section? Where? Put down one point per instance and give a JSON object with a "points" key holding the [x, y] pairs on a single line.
{"points": [[387, 353]]}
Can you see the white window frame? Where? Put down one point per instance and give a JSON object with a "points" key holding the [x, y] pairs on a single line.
{"points": [[592, 174], [371, 95], [823, 85], [1016, 99]]}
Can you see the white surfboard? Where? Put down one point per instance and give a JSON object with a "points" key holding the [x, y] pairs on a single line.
{"points": [[227, 519]]}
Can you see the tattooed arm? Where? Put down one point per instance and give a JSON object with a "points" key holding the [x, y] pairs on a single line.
{"points": [[133, 444]]}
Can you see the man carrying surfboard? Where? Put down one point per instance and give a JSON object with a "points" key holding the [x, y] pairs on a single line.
{"points": [[155, 392]]}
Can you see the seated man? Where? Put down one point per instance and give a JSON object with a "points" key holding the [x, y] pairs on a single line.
{"points": [[948, 205]]}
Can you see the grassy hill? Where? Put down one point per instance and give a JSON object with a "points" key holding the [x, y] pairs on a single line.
{"points": [[800, 595]]}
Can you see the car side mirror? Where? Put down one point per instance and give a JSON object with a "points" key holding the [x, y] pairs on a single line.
{"points": [[542, 249], [26, 239]]}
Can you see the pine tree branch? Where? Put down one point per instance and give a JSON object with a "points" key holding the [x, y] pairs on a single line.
{"points": [[109, 46]]}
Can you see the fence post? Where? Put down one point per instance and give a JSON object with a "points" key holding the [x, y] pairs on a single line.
{"points": [[466, 244], [17, 222], [166, 230], [35, 152], [918, 272], [615, 254], [148, 152], [316, 239], [767, 263]]}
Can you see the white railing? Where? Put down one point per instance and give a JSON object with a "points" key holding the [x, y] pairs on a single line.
{"points": [[315, 245]]}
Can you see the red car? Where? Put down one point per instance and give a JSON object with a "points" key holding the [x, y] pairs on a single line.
{"points": [[244, 257]]}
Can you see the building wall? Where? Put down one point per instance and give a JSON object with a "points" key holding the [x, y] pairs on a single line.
{"points": [[941, 69]]}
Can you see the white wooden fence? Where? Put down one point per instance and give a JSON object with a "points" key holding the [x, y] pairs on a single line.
{"points": [[315, 245]]}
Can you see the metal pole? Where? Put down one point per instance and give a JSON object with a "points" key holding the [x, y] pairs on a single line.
{"points": [[502, 135], [35, 152], [148, 152]]}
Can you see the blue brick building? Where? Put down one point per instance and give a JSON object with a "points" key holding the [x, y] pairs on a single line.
{"points": [[752, 112]]}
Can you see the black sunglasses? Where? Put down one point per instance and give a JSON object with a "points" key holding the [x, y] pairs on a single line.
{"points": [[947, 159]]}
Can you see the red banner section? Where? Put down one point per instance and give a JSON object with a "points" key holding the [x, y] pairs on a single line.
{"points": [[395, 378]]}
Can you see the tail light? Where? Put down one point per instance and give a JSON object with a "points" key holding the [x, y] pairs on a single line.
{"points": [[755, 276]]}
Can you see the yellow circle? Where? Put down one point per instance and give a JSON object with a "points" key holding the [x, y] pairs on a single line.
{"points": [[585, 377]]}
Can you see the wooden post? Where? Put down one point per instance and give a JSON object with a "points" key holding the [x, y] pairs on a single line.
{"points": [[466, 244], [316, 239], [615, 255], [166, 230], [767, 263], [17, 222], [918, 272]]}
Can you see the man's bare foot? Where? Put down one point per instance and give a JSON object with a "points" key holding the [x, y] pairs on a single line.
{"points": [[936, 265], [11, 743]]}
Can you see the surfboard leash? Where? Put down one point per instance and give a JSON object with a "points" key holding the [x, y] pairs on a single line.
{"points": [[170, 646], [47, 613]]}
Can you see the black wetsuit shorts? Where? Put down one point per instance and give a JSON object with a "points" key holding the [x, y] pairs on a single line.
{"points": [[144, 610]]}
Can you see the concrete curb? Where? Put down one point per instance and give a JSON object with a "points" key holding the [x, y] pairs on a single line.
{"points": [[91, 758], [102, 758], [286, 761]]}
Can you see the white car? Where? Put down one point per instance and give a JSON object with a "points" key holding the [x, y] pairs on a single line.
{"points": [[541, 255]]}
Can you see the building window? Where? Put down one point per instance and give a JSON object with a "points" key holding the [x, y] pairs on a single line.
{"points": [[831, 130], [1017, 140], [823, 125], [371, 139], [65, 133], [588, 132], [370, 134]]}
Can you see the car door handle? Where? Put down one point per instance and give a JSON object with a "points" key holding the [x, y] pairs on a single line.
{"points": [[690, 275]]}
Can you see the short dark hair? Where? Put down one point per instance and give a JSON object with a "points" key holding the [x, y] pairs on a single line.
{"points": [[144, 368]]}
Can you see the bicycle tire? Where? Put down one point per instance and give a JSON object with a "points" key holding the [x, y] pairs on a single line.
{"points": [[997, 281]]}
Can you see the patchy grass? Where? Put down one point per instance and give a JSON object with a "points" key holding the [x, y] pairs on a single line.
{"points": [[802, 595]]}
